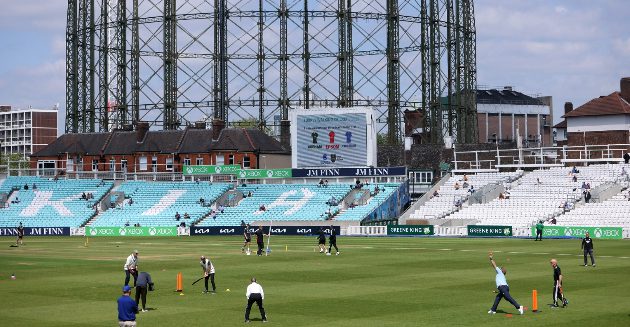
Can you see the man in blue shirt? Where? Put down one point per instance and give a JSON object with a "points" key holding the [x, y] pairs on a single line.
{"points": [[127, 309], [504, 289]]}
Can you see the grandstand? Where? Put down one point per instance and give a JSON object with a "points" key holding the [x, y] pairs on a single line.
{"points": [[156, 203], [44, 202]]}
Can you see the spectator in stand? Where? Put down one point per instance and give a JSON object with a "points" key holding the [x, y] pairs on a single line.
{"points": [[501, 196], [249, 194], [553, 221], [574, 178], [127, 223], [130, 201], [326, 183], [177, 216], [457, 185], [465, 178], [34, 186], [465, 185], [587, 196], [583, 186], [26, 187], [83, 196], [186, 215], [221, 208], [626, 158], [538, 181], [435, 194], [202, 201], [507, 194], [574, 170], [321, 183], [471, 190], [262, 207]]}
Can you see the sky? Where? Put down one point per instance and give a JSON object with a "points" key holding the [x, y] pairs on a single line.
{"points": [[573, 50]]}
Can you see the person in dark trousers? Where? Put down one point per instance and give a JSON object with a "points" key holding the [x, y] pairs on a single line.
{"points": [[587, 246], [208, 273], [321, 240], [332, 240], [502, 286], [247, 236], [626, 158], [127, 309], [558, 294], [131, 267], [539, 230], [260, 241], [255, 294], [20, 235], [143, 284]]}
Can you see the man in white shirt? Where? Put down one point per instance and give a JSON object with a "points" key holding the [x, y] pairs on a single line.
{"points": [[256, 294], [131, 267], [208, 272]]}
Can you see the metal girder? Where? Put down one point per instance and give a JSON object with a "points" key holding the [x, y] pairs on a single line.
{"points": [[173, 62], [169, 115]]}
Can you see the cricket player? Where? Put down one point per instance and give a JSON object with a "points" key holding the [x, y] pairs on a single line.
{"points": [[247, 235], [20, 235], [260, 241], [208, 272], [332, 240], [131, 267], [502, 286], [255, 294], [321, 239], [587, 246], [558, 294], [539, 230]]}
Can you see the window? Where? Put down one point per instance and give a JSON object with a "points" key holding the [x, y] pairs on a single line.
{"points": [[220, 159], [94, 165], [246, 163], [143, 163], [231, 159], [199, 161], [187, 161], [112, 164], [154, 164], [70, 164], [421, 177], [123, 165], [169, 163]]}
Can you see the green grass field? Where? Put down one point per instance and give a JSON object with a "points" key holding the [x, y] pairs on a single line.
{"points": [[374, 282]]}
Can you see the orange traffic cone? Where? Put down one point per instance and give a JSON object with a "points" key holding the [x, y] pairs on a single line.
{"points": [[180, 283]]}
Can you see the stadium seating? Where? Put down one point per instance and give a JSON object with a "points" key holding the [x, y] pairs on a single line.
{"points": [[297, 202], [50, 203], [358, 213], [445, 203], [156, 203], [539, 195]]}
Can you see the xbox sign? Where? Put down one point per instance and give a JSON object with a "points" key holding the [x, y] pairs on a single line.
{"points": [[580, 231]]}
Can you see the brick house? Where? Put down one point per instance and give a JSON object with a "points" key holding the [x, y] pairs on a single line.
{"points": [[143, 150], [601, 121]]}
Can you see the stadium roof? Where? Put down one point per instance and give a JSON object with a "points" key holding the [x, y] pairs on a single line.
{"points": [[612, 104], [190, 140]]}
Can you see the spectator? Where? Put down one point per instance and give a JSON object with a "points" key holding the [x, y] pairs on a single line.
{"points": [[249, 194], [583, 186], [587, 196], [56, 178], [465, 178], [182, 224], [34, 186], [220, 208], [321, 183], [435, 194], [26, 187], [84, 196], [202, 201], [326, 183], [507, 194], [262, 207], [626, 158], [127, 223], [130, 201], [457, 185], [471, 190], [553, 221], [623, 170], [574, 178], [588, 186], [177, 216], [538, 181], [465, 185], [186, 215], [501, 196]]}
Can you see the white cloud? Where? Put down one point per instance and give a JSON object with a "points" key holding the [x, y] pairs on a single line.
{"points": [[33, 14]]}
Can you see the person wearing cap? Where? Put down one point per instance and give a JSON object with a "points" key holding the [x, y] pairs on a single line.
{"points": [[131, 267], [255, 294], [127, 309], [20, 235], [332, 240], [143, 285], [208, 273]]}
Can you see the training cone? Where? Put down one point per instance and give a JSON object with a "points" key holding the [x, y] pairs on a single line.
{"points": [[534, 301]]}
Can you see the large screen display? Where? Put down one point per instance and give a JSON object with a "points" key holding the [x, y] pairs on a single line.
{"points": [[332, 139]]}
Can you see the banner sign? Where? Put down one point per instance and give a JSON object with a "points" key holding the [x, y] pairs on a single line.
{"points": [[211, 170], [578, 231], [275, 230], [351, 172], [484, 230], [264, 173], [131, 231], [410, 230], [36, 231]]}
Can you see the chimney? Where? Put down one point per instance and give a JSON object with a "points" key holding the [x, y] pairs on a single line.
{"points": [[142, 128], [625, 88], [568, 107], [217, 126], [200, 125], [507, 88]]}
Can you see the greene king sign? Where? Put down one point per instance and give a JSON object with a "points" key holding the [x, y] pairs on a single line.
{"points": [[489, 231], [410, 230], [578, 231]]}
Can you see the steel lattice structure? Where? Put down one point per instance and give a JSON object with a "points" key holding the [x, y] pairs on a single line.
{"points": [[172, 62]]}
